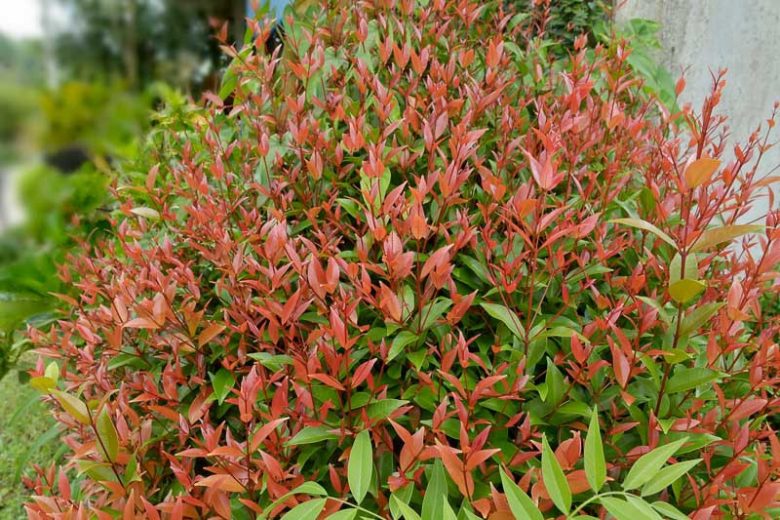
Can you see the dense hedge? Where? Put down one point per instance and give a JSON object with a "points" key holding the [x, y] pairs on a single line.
{"points": [[407, 269]]}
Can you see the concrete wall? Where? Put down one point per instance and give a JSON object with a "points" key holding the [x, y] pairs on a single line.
{"points": [[702, 36]]}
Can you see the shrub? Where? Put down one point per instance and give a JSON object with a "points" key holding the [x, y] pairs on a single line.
{"points": [[411, 268]]}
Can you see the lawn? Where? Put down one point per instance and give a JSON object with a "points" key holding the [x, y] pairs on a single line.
{"points": [[27, 437]]}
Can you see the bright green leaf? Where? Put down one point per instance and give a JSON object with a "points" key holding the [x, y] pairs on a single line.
{"points": [[623, 510], [669, 511], [555, 385], [595, 465], [675, 268], [645, 509], [435, 494], [73, 405], [683, 291], [519, 502], [312, 435], [309, 510], [667, 476], [698, 317], [505, 316], [108, 442], [401, 341], [646, 226], [222, 382], [648, 464], [407, 512], [685, 379], [384, 407], [715, 236], [554, 479], [361, 465], [344, 514]]}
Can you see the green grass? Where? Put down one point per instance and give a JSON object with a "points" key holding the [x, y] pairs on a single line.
{"points": [[24, 423]]}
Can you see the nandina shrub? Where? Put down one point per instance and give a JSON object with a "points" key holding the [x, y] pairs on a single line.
{"points": [[418, 266]]}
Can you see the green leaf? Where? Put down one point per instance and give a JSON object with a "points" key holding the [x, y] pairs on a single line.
{"points": [[519, 502], [555, 384], [271, 361], [683, 291], [108, 436], [73, 405], [432, 312], [505, 316], [307, 488], [667, 476], [401, 341], [407, 512], [685, 379], [435, 494], [229, 82], [42, 384], [384, 407], [669, 511], [361, 466], [222, 382], [52, 371], [675, 268], [312, 435], [554, 479], [344, 514], [623, 510], [698, 317], [595, 465], [645, 509], [309, 510], [648, 464], [713, 237], [646, 226]]}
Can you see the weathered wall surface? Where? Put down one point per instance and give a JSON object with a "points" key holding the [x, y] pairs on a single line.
{"points": [[702, 36]]}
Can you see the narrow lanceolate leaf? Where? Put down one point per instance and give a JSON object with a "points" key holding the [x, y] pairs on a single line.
{"points": [[669, 511], [554, 479], [700, 171], [222, 382], [147, 213], [361, 466], [519, 502], [683, 291], [595, 465], [435, 494], [407, 512], [667, 476], [645, 509], [505, 316], [73, 405], [311, 435], [685, 379], [646, 226], [648, 464], [623, 510], [109, 440], [309, 510], [344, 514], [698, 317], [713, 237]]}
